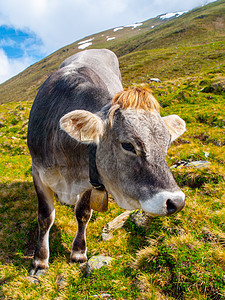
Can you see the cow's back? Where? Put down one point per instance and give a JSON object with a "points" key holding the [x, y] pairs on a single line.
{"points": [[82, 82], [104, 62]]}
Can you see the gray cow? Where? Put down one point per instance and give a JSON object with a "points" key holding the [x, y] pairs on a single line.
{"points": [[82, 108]]}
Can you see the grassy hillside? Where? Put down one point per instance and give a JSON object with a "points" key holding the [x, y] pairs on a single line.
{"points": [[176, 257], [198, 26]]}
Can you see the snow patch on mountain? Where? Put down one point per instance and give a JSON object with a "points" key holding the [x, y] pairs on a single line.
{"points": [[118, 28], [135, 25], [85, 45], [110, 38], [86, 41], [171, 15]]}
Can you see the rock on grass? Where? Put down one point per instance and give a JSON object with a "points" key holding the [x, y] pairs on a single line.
{"points": [[97, 262]]}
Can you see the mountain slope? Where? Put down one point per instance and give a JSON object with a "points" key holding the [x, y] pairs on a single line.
{"points": [[200, 26]]}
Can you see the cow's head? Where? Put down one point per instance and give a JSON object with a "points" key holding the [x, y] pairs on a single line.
{"points": [[132, 142]]}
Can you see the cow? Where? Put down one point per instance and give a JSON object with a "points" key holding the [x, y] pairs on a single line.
{"points": [[86, 132]]}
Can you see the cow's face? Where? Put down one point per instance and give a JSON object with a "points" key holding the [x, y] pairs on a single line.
{"points": [[131, 156], [131, 159]]}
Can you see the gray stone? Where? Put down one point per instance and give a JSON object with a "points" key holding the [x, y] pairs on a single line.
{"points": [[140, 218], [219, 143], [103, 296], [194, 164], [106, 236], [97, 262]]}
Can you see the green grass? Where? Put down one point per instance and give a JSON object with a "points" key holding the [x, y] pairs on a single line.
{"points": [[177, 257]]}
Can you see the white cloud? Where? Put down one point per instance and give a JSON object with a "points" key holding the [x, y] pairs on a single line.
{"points": [[10, 67]]}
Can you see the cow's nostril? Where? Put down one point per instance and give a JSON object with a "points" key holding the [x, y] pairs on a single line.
{"points": [[171, 207]]}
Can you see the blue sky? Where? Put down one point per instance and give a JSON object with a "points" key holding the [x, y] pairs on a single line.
{"points": [[16, 43], [32, 29]]}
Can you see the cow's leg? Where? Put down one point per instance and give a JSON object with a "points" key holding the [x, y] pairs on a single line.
{"points": [[83, 213], [46, 216]]}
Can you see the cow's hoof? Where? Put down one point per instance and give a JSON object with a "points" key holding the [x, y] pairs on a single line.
{"points": [[38, 269], [37, 273], [78, 256]]}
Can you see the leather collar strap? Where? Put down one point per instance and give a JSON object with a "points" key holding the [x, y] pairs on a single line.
{"points": [[93, 171]]}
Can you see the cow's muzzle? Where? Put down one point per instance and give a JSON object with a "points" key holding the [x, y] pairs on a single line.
{"points": [[164, 203]]}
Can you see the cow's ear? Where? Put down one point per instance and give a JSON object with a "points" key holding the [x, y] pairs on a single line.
{"points": [[176, 126], [83, 126]]}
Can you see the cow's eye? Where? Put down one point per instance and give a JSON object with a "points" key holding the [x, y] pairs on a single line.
{"points": [[128, 147]]}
